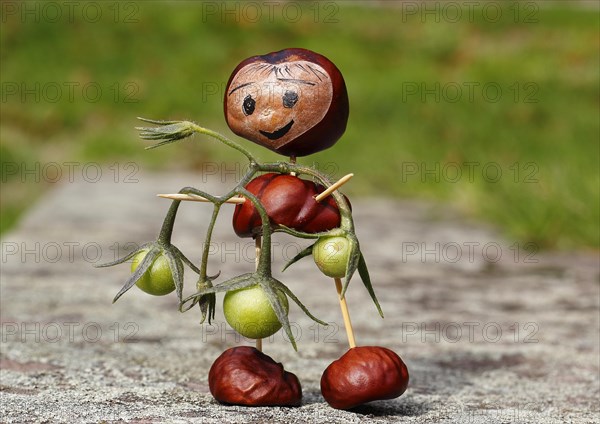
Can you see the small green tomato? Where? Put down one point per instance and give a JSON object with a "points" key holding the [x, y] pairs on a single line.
{"points": [[331, 255], [249, 312], [158, 279]]}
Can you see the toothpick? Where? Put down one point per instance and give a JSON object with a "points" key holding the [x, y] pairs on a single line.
{"points": [[345, 313], [334, 187], [239, 200], [195, 198], [259, 345], [257, 249]]}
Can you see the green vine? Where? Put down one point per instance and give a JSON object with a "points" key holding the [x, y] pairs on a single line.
{"points": [[166, 132]]}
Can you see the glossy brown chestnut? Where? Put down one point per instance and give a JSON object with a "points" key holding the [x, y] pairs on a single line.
{"points": [[293, 102], [244, 375], [364, 374], [288, 201]]}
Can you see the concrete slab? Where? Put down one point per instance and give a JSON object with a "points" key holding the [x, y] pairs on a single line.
{"points": [[491, 331]]}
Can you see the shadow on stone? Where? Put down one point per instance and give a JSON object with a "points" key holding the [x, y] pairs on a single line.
{"points": [[407, 408]]}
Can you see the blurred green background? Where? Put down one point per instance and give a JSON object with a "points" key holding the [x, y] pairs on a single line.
{"points": [[491, 108]]}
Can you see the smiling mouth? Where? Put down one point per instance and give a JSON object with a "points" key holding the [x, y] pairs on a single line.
{"points": [[278, 133]]}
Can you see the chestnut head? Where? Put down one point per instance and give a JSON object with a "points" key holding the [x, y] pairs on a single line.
{"points": [[293, 102]]}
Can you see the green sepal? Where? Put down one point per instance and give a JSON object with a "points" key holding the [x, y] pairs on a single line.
{"points": [[353, 259], [304, 253], [157, 122], [140, 270], [185, 260], [176, 267], [363, 271], [278, 308], [207, 302], [124, 258], [291, 295], [166, 132], [239, 282]]}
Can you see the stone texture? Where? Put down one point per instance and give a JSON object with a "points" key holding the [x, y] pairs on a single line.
{"points": [[485, 339]]}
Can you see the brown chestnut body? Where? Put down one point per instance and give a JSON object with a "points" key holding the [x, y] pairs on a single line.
{"points": [[364, 374], [244, 375], [293, 101], [289, 201]]}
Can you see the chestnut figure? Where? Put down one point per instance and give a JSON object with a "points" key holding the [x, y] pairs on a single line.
{"points": [[293, 102], [364, 374], [244, 375], [289, 201]]}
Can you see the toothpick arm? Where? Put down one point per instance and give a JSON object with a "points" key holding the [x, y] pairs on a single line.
{"points": [[239, 200], [195, 198], [334, 187]]}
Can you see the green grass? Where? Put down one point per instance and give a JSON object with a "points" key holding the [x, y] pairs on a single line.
{"points": [[542, 132]]}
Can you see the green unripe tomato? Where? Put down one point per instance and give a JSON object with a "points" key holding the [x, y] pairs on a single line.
{"points": [[249, 312], [158, 279], [331, 255]]}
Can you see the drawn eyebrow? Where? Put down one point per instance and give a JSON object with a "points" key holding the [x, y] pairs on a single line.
{"points": [[240, 86], [297, 80], [314, 71]]}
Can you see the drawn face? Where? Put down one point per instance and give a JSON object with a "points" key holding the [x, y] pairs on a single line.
{"points": [[273, 104], [276, 103]]}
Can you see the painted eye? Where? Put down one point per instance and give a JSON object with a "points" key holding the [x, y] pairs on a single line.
{"points": [[289, 99], [248, 105]]}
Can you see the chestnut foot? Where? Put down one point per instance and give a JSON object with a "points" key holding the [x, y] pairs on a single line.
{"points": [[244, 375], [364, 374]]}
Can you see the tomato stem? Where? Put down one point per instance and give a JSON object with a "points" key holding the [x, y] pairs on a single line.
{"points": [[222, 139], [263, 267], [207, 241], [166, 230]]}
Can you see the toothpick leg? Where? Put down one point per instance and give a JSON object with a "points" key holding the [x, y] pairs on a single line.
{"points": [[345, 313], [257, 249]]}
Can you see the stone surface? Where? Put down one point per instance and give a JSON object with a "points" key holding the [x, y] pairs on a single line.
{"points": [[485, 339]]}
